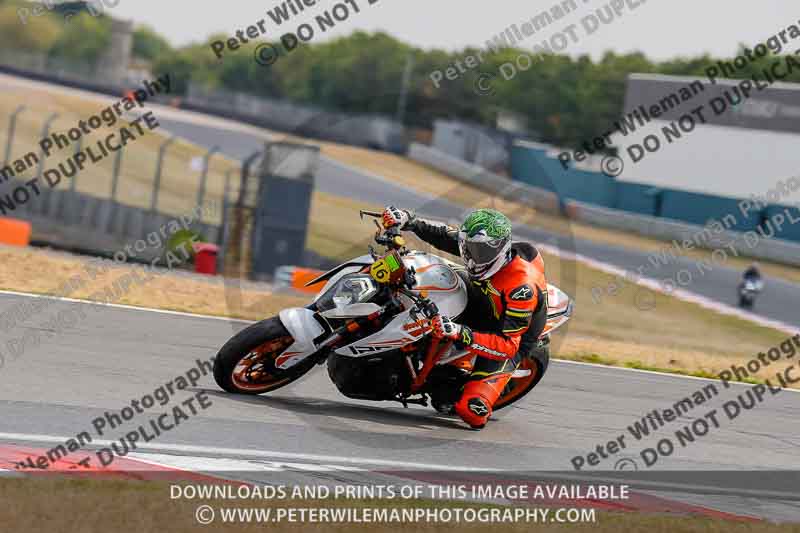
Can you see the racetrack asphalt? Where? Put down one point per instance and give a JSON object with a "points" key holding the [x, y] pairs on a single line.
{"points": [[117, 354]]}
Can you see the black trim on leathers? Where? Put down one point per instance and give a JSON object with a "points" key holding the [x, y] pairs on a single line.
{"points": [[478, 314], [437, 234]]}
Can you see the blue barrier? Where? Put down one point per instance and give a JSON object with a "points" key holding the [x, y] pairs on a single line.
{"points": [[533, 166], [790, 230], [698, 208], [637, 198], [525, 167]]}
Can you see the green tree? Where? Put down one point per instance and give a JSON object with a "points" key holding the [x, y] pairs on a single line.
{"points": [[566, 100], [149, 45], [178, 66], [84, 38], [37, 34]]}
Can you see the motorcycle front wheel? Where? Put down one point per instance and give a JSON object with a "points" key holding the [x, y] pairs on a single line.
{"points": [[246, 363]]}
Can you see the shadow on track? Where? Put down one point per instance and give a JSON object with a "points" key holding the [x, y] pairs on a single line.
{"points": [[388, 415]]}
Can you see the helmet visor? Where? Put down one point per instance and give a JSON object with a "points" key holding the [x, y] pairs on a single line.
{"points": [[479, 250]]}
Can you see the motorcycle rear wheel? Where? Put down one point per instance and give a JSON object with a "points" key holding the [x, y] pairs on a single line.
{"points": [[246, 363], [537, 362]]}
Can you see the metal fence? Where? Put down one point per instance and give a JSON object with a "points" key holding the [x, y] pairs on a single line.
{"points": [[128, 193], [122, 197], [367, 130], [99, 74], [156, 172]]}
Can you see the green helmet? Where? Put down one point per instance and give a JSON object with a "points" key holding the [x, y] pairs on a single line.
{"points": [[484, 240]]}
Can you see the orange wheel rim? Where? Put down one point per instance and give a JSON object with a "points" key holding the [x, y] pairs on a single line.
{"points": [[256, 370], [520, 385]]}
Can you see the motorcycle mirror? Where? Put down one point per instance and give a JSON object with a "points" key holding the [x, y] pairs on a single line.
{"points": [[374, 214]]}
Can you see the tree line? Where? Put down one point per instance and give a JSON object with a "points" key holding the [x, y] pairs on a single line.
{"points": [[563, 99]]}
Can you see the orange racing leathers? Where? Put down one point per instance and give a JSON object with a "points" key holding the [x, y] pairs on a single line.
{"points": [[504, 317]]}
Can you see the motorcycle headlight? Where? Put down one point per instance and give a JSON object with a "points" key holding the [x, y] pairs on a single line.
{"points": [[351, 289]]}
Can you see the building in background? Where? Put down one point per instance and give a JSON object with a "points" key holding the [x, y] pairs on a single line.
{"points": [[691, 151], [486, 147], [742, 150]]}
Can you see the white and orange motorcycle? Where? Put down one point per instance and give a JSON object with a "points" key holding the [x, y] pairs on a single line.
{"points": [[370, 324]]}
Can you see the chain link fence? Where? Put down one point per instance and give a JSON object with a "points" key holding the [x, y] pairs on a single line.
{"points": [[119, 196]]}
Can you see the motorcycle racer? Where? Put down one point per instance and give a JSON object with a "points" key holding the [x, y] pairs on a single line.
{"points": [[507, 302], [752, 273]]}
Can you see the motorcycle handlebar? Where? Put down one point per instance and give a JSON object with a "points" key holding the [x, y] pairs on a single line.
{"points": [[373, 214], [425, 305]]}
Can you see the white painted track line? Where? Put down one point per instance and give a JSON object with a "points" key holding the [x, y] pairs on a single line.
{"points": [[256, 454]]}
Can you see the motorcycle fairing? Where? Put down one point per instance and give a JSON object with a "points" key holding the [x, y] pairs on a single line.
{"points": [[303, 328], [559, 309], [435, 277], [359, 262], [335, 274], [397, 333], [443, 286]]}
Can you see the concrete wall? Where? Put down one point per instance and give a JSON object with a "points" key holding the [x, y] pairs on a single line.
{"points": [[77, 221], [372, 131], [788, 231], [483, 179], [773, 249], [637, 198], [735, 151], [471, 143], [696, 208], [714, 160], [640, 200], [116, 58], [533, 163]]}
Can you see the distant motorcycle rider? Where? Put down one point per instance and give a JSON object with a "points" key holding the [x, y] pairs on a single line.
{"points": [[750, 286], [752, 273], [507, 308]]}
